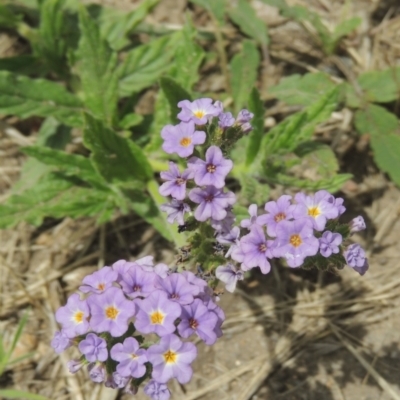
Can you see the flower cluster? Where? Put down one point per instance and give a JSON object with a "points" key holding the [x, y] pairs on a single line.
{"points": [[119, 305]]}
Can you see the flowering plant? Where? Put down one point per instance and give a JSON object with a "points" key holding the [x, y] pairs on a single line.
{"points": [[119, 306]]}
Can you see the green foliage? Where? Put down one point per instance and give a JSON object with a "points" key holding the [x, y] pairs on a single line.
{"points": [[244, 15], [97, 71], [302, 89], [20, 394], [24, 97], [217, 8], [383, 128], [244, 67]]}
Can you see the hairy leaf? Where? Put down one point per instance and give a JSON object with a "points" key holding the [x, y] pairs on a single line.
{"points": [[24, 64], [117, 159], [24, 97], [244, 73]]}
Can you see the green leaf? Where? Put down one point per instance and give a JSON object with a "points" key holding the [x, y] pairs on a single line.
{"points": [[174, 94], [145, 64], [50, 45], [257, 108], [383, 127], [70, 164], [130, 120], [117, 159], [97, 70], [24, 97], [245, 17], [380, 86], [345, 27], [20, 395], [244, 73], [8, 18], [24, 64], [252, 190], [216, 7], [188, 57], [116, 25], [302, 89]]}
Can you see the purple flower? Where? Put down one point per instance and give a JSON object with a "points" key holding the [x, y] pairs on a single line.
{"points": [[110, 312], [317, 208], [119, 381], [74, 316], [210, 304], [225, 120], [93, 348], [171, 359], [224, 225], [75, 365], [329, 243], [229, 275], [355, 258], [178, 288], [137, 283], [295, 240], [339, 205], [212, 203], [99, 281], [194, 280], [244, 117], [176, 182], [97, 372], [157, 314], [146, 263], [130, 357], [60, 342], [277, 211], [162, 270], [213, 170], [218, 105], [231, 239], [357, 224], [249, 222], [157, 391], [175, 211], [121, 266], [196, 318], [181, 138], [256, 250], [198, 111]]}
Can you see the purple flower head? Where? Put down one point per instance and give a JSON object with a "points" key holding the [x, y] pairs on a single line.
{"points": [[247, 127], [201, 284], [178, 288], [249, 222], [225, 225], [329, 243], [171, 359], [198, 111], [157, 314], [277, 211], [295, 240], [93, 348], [212, 202], [74, 316], [339, 205], [225, 120], [119, 381], [137, 283], [357, 224], [218, 104], [110, 312], [229, 275], [231, 239], [213, 170], [146, 263], [121, 266], [210, 304], [60, 342], [157, 391], [99, 281], [97, 372], [130, 357], [175, 211], [162, 270], [256, 249], [244, 117], [75, 365], [196, 318], [181, 138], [176, 182], [355, 258], [317, 208]]}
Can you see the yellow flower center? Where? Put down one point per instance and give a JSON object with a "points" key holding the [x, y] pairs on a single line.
{"points": [[279, 217], [295, 240], [78, 317], [170, 357], [313, 212], [211, 168], [101, 286], [111, 312], [156, 318], [134, 356], [199, 113], [185, 142]]}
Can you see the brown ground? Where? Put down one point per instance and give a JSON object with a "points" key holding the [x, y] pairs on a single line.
{"points": [[288, 335]]}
